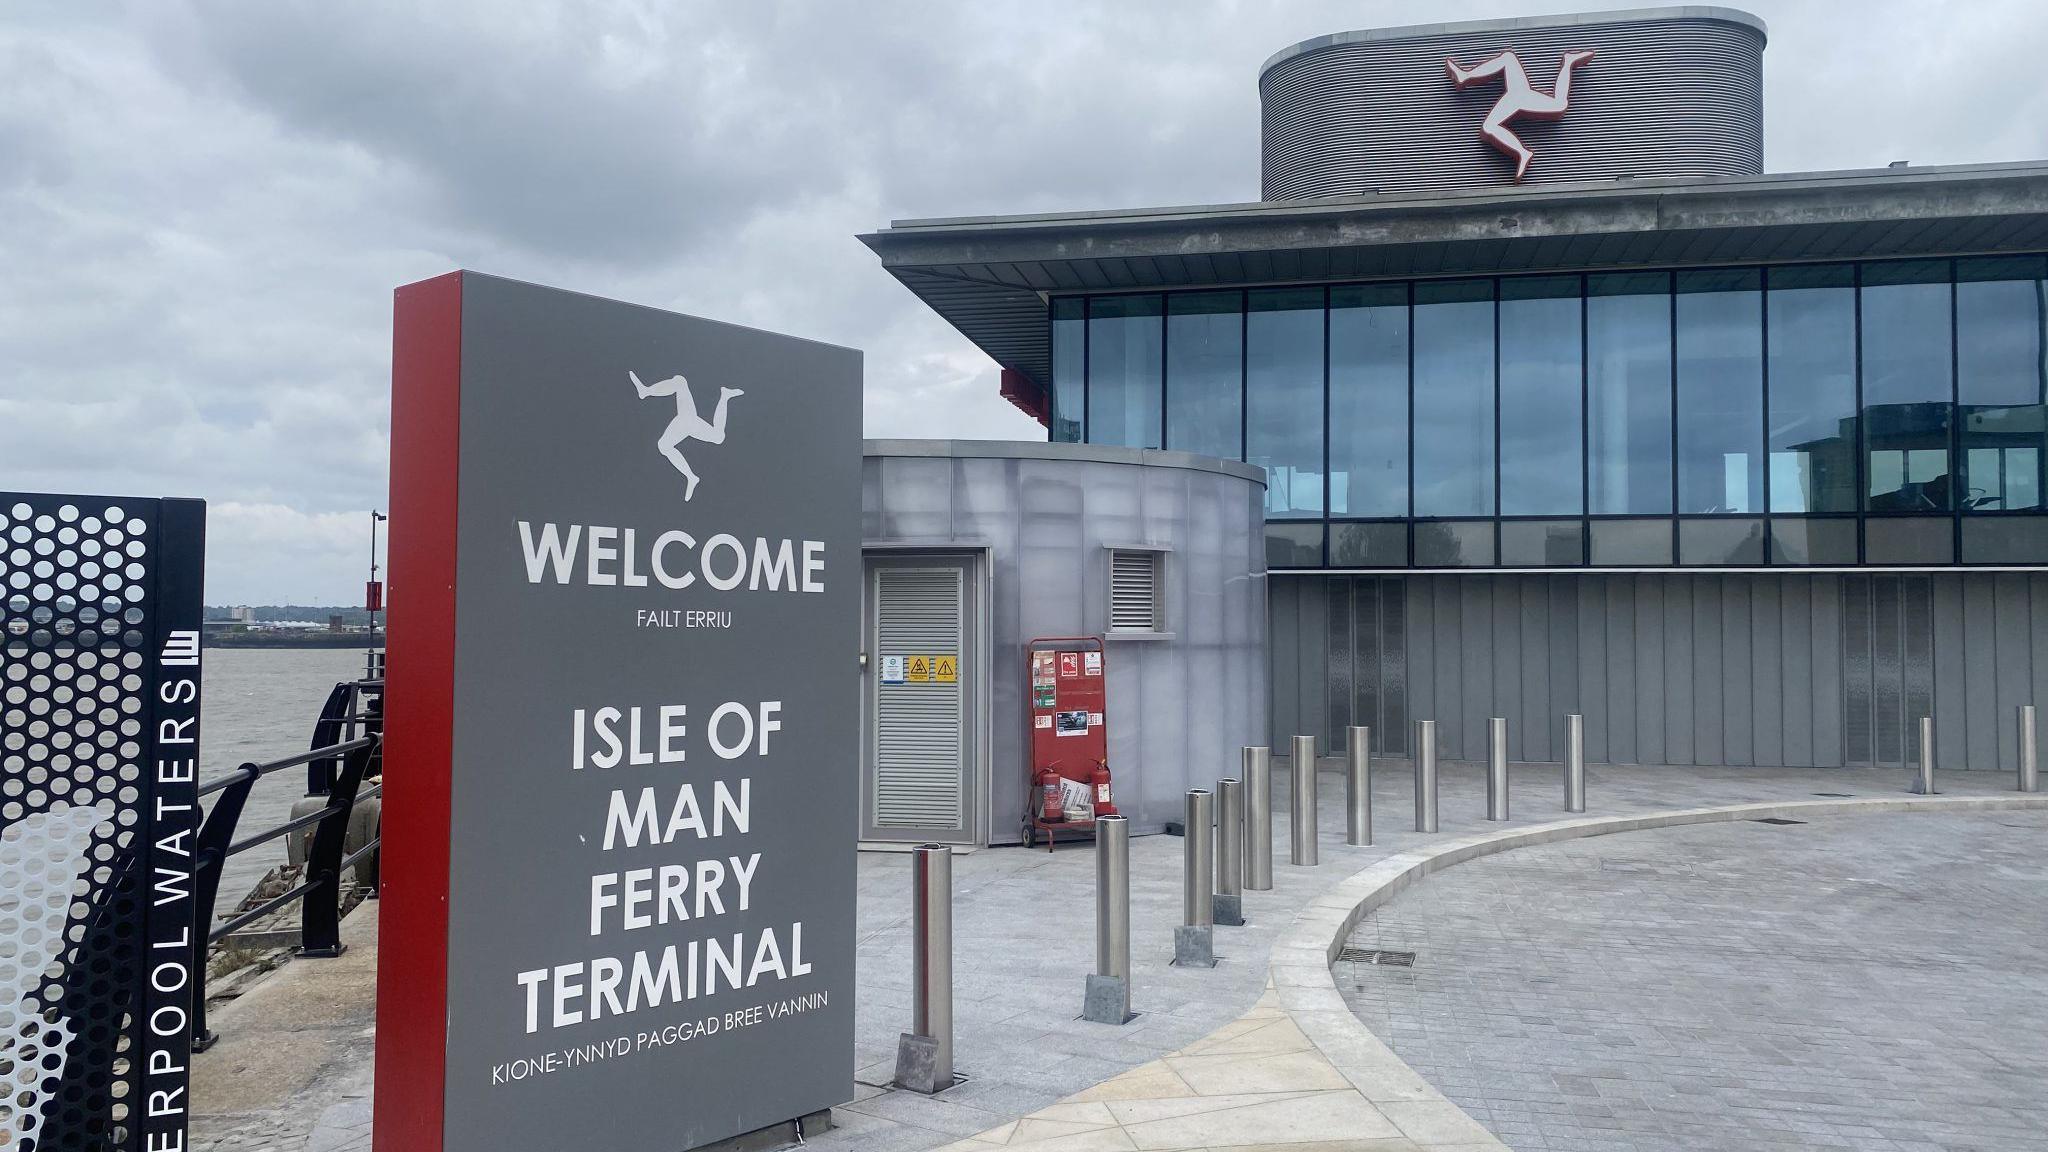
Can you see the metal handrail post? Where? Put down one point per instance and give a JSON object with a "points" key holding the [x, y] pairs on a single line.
{"points": [[1574, 762], [1497, 768], [1358, 785], [1258, 819], [320, 911], [1301, 842], [1229, 901], [210, 853], [1425, 775]]}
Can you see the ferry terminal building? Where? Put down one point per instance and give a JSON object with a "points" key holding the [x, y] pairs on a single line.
{"points": [[1745, 467]]}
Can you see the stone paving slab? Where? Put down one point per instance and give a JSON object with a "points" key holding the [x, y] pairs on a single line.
{"points": [[291, 1071], [1866, 982], [1024, 943]]}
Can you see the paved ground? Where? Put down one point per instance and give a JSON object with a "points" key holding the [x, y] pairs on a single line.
{"points": [[291, 1071], [1023, 946], [1876, 983]]}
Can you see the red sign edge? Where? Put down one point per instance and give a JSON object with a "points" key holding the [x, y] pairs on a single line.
{"points": [[412, 963]]}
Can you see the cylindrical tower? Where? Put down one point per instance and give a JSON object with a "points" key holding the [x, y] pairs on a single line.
{"points": [[1665, 92]]}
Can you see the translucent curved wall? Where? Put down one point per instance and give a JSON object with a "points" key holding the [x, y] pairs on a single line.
{"points": [[1180, 704]]}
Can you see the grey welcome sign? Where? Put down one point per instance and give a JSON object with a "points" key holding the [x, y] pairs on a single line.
{"points": [[621, 734]]}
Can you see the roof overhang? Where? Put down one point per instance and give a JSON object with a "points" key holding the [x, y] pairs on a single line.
{"points": [[990, 277]]}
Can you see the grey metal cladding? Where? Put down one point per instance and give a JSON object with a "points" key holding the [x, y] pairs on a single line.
{"points": [[1677, 93]]}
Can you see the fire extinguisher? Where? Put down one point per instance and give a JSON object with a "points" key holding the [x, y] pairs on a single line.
{"points": [[1050, 809], [1104, 805]]}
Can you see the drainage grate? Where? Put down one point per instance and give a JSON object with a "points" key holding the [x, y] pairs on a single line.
{"points": [[1380, 956], [1829, 795], [1776, 820]]}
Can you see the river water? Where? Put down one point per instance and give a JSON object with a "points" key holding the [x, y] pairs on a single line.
{"points": [[260, 704]]}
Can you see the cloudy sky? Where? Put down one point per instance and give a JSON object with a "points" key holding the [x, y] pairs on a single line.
{"points": [[204, 206]]}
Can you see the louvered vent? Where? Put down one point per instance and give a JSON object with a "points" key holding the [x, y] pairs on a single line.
{"points": [[1134, 591], [917, 723]]}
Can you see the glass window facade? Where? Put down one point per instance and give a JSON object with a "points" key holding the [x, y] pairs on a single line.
{"points": [[1283, 338], [1205, 361], [2001, 382], [1541, 380], [1811, 316], [1719, 319], [1884, 413], [1369, 401], [1069, 369], [1628, 393], [1908, 393], [1126, 371], [1454, 398]]}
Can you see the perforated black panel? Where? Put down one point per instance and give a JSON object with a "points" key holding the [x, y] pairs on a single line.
{"points": [[77, 678]]}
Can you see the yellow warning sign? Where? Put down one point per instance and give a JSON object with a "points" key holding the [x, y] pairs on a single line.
{"points": [[920, 669], [946, 669]]}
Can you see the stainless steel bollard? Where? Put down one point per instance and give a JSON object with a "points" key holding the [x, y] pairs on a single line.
{"points": [[1194, 942], [1109, 988], [1258, 819], [1923, 783], [1425, 775], [2030, 775], [1358, 785], [924, 1055], [1229, 900], [1113, 897], [1198, 860], [1497, 768], [1301, 845], [1574, 763]]}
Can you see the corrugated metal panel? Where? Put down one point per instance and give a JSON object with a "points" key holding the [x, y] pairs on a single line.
{"points": [[1394, 678], [1738, 664], [1366, 684], [1538, 725], [1856, 671], [1708, 735], [1650, 665], [918, 724], [1795, 655], [1767, 667], [1505, 659], [1980, 676], [1342, 658], [1284, 638], [1916, 658], [1682, 668], [1590, 613], [2014, 647], [1825, 647], [1662, 97], [1887, 673], [1678, 732], [1133, 591]]}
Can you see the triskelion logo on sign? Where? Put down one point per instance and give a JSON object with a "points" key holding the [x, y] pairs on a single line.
{"points": [[1521, 99], [687, 425]]}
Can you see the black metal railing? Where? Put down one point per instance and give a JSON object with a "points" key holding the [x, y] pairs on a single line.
{"points": [[319, 890]]}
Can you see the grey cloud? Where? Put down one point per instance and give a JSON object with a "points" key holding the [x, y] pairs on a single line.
{"points": [[204, 206]]}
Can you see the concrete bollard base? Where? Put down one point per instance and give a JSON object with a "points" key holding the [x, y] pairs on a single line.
{"points": [[1229, 910], [917, 1064], [1108, 1001], [1194, 946]]}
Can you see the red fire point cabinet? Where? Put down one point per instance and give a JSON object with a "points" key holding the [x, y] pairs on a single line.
{"points": [[1067, 782]]}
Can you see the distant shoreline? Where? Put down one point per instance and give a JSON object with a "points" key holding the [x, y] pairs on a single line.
{"points": [[218, 638]]}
